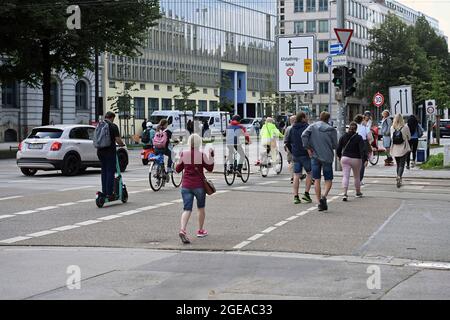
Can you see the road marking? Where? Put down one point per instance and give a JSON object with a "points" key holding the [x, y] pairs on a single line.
{"points": [[41, 233], [292, 218], [6, 216], [302, 213], [430, 265], [87, 223], [178, 201], [9, 198], [129, 213], [16, 239], [413, 187], [65, 228], [136, 180], [85, 200], [419, 183], [270, 229], [66, 204], [46, 208], [335, 197], [267, 182], [24, 212], [242, 244], [20, 181], [76, 188], [163, 204], [311, 209], [255, 237], [111, 217], [279, 224], [241, 188], [222, 191], [147, 208]]}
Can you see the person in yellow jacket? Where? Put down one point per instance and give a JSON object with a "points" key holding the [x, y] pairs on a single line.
{"points": [[269, 136]]}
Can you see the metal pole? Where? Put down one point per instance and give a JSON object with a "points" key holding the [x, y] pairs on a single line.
{"points": [[97, 107]]}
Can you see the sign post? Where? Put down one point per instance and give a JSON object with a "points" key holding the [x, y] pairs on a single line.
{"points": [[401, 100]]}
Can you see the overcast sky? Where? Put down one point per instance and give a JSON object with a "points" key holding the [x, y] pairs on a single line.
{"points": [[438, 9]]}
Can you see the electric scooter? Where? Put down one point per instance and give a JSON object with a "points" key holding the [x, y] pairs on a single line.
{"points": [[120, 190]]}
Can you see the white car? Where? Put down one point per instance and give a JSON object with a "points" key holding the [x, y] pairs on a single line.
{"points": [[69, 148], [249, 124]]}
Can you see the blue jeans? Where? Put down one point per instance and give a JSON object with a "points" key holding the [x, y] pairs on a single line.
{"points": [[108, 162], [318, 167], [300, 163], [188, 198]]}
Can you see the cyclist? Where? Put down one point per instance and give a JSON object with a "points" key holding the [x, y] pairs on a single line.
{"points": [[162, 144], [269, 135], [234, 133]]}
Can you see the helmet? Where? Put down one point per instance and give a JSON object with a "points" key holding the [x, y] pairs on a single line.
{"points": [[236, 118], [149, 125]]}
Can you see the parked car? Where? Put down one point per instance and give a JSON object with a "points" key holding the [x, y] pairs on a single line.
{"points": [[444, 128], [249, 124], [69, 148]]}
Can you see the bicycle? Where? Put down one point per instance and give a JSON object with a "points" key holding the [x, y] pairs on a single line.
{"points": [[158, 176], [231, 169], [266, 165]]}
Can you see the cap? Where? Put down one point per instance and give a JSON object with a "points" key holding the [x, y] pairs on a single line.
{"points": [[236, 118], [149, 124]]}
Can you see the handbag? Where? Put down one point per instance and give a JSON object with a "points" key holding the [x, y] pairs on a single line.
{"points": [[207, 184]]}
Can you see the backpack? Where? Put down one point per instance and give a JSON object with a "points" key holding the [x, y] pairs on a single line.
{"points": [[397, 137], [102, 135], [160, 140], [145, 136]]}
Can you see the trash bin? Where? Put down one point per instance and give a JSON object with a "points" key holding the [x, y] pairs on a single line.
{"points": [[446, 155], [422, 150]]}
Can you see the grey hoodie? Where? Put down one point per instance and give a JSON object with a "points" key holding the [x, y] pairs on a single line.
{"points": [[322, 139]]}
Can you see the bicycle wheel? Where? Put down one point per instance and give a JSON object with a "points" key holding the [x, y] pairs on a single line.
{"points": [[155, 176], [229, 172], [245, 170], [374, 160], [278, 166], [177, 178]]}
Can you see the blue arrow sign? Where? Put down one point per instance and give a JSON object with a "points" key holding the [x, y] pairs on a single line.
{"points": [[329, 61], [336, 49]]}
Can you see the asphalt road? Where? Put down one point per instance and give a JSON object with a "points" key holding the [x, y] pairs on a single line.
{"points": [[253, 225]]}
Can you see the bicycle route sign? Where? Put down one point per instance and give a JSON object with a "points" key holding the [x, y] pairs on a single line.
{"points": [[296, 63]]}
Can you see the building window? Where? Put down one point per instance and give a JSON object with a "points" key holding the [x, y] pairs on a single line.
{"points": [[323, 25], [54, 94], [153, 105], [323, 87], [167, 104], [81, 95], [112, 84], [216, 92], [323, 46], [169, 88], [156, 87], [139, 108], [311, 26], [213, 105], [299, 27], [253, 94], [298, 5], [202, 105], [323, 68], [205, 91], [142, 86], [310, 5], [323, 5], [9, 95]]}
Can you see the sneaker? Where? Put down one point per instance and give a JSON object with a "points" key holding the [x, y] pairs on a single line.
{"points": [[323, 204], [413, 164], [184, 237], [345, 198], [297, 200], [407, 167], [359, 195], [202, 233], [306, 198], [362, 183], [292, 180], [399, 182], [303, 177]]}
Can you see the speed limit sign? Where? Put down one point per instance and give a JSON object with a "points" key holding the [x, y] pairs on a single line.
{"points": [[378, 100]]}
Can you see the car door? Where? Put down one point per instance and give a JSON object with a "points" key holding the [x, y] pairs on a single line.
{"points": [[91, 150], [79, 139]]}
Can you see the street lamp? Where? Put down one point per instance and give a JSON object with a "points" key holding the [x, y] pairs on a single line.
{"points": [[329, 69]]}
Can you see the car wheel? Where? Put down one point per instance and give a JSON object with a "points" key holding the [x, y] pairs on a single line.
{"points": [[71, 165], [123, 160], [28, 172]]}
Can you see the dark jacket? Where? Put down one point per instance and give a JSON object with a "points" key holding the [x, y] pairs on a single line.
{"points": [[294, 140], [355, 148]]}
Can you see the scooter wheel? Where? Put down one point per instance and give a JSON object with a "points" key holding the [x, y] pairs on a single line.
{"points": [[124, 195], [100, 201]]}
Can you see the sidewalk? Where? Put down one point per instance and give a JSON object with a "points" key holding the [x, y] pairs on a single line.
{"points": [[7, 145]]}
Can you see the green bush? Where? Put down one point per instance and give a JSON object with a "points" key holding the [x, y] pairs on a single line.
{"points": [[434, 162]]}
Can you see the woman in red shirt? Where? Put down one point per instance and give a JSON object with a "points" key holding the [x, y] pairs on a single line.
{"points": [[193, 162]]}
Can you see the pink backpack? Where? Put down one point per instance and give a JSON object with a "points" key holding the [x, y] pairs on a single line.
{"points": [[160, 140]]}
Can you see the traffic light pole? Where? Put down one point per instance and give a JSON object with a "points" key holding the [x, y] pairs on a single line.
{"points": [[340, 18]]}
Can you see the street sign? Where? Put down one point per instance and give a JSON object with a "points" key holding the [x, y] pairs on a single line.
{"points": [[430, 107], [378, 100], [336, 48], [338, 61], [344, 35], [329, 61], [296, 63], [401, 100]]}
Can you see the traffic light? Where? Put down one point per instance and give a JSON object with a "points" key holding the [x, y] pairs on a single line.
{"points": [[350, 81], [338, 79]]}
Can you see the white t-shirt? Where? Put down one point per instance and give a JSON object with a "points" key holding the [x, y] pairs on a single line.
{"points": [[363, 131]]}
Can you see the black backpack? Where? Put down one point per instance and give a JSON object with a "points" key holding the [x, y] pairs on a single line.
{"points": [[397, 137], [145, 136]]}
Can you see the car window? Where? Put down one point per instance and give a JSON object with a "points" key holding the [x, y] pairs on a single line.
{"points": [[91, 133], [211, 120], [46, 133], [79, 133]]}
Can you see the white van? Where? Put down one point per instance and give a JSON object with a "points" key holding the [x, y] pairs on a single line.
{"points": [[175, 118], [217, 120]]}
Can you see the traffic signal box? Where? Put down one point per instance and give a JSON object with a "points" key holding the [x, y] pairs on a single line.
{"points": [[338, 79], [344, 79]]}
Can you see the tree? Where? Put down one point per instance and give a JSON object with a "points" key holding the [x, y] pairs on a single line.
{"points": [[35, 40], [187, 88]]}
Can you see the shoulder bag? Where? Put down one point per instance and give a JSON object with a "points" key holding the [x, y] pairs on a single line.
{"points": [[207, 184]]}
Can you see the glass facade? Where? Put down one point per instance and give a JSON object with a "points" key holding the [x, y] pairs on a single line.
{"points": [[196, 36]]}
